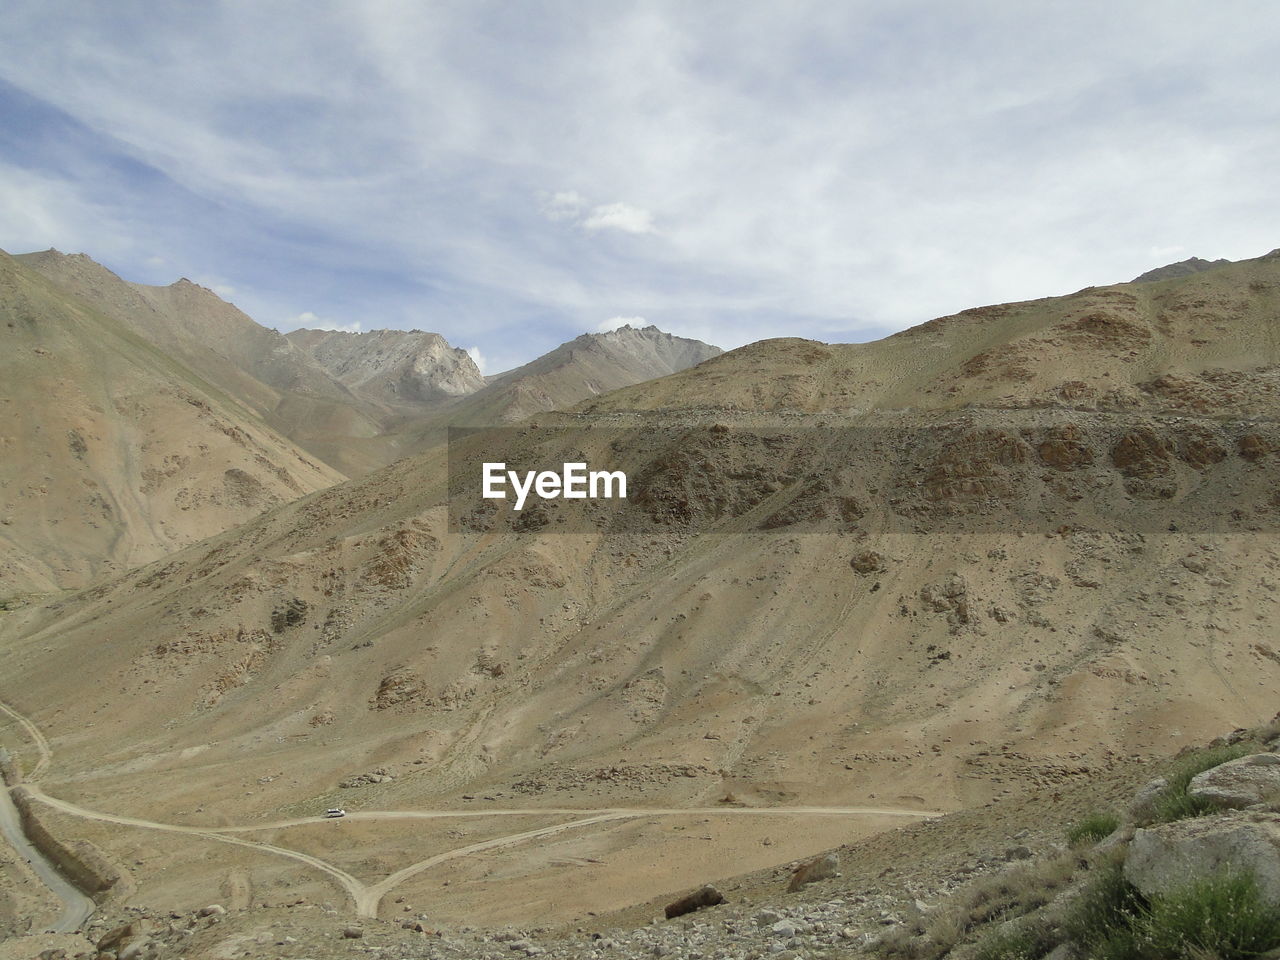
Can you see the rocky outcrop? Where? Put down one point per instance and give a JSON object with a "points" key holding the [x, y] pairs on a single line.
{"points": [[1239, 783], [392, 365], [1162, 859]]}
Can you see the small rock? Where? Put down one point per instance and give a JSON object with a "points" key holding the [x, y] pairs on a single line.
{"points": [[1063, 951], [868, 562], [352, 933], [783, 928], [213, 910]]}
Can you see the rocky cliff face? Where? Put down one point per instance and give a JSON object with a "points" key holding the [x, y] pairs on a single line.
{"points": [[392, 366]]}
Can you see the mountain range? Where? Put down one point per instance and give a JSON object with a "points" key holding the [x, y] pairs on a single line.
{"points": [[1068, 563], [151, 417]]}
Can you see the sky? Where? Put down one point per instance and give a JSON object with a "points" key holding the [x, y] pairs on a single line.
{"points": [[513, 174]]}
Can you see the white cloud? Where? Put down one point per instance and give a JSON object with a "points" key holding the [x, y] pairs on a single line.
{"points": [[615, 323], [565, 205], [40, 211], [478, 358], [619, 216], [1157, 252], [309, 321], [573, 206]]}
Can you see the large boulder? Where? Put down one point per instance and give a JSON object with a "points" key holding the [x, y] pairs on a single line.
{"points": [[705, 896], [811, 871], [1166, 857], [1239, 783]]}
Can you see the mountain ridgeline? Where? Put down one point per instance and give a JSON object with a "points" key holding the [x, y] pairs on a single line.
{"points": [[147, 417]]}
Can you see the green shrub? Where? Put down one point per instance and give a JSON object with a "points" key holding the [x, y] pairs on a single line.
{"points": [[1107, 907], [1223, 916], [1173, 803], [1096, 826]]}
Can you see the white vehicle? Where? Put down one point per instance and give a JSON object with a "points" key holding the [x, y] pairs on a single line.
{"points": [[334, 812]]}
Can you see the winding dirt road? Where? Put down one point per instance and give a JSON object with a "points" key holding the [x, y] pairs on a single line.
{"points": [[366, 898]]}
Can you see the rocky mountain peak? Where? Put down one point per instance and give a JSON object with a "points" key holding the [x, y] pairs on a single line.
{"points": [[392, 365]]}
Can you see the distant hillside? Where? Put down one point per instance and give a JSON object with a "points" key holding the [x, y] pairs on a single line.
{"points": [[252, 363], [116, 452], [358, 401], [590, 365], [1124, 346]]}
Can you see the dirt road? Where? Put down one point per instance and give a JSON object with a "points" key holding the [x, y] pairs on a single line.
{"points": [[367, 897]]}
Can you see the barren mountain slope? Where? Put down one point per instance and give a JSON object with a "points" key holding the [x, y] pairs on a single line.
{"points": [[114, 453], [869, 621], [244, 359]]}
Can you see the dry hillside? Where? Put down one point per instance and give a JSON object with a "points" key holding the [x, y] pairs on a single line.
{"points": [[897, 629], [114, 452], [257, 366]]}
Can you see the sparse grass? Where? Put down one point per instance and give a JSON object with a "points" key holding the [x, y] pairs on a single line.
{"points": [[1027, 939], [1008, 895], [1223, 917], [1174, 804], [1092, 828], [1101, 918]]}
